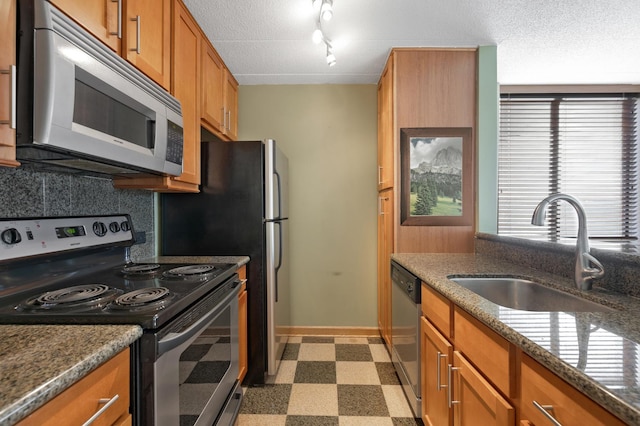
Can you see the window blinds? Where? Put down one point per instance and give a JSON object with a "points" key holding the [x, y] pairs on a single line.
{"points": [[586, 146]]}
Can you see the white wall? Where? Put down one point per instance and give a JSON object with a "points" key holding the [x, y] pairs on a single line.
{"points": [[329, 134]]}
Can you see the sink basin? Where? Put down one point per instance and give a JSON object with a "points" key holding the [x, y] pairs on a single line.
{"points": [[518, 293]]}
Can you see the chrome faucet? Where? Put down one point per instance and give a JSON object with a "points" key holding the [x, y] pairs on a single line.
{"points": [[584, 273]]}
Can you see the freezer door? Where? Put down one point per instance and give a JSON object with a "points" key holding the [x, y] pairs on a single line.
{"points": [[276, 182], [278, 288]]}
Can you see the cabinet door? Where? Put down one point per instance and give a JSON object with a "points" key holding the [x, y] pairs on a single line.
{"points": [[78, 403], [385, 127], [437, 354], [385, 248], [560, 400], [231, 106], [147, 38], [475, 401], [99, 17], [213, 81], [186, 87], [7, 86]]}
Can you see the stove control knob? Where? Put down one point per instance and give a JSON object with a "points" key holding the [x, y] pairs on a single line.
{"points": [[125, 226], [114, 227], [100, 229], [11, 236]]}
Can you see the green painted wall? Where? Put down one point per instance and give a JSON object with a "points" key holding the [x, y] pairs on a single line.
{"points": [[488, 110], [329, 134]]}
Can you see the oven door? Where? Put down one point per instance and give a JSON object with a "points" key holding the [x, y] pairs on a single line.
{"points": [[196, 371]]}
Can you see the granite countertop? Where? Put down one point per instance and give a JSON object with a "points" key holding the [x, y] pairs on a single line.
{"points": [[598, 353], [37, 362]]}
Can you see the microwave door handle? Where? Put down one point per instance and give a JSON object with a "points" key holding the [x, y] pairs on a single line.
{"points": [[173, 340]]}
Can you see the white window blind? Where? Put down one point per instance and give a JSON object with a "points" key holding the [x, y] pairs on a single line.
{"points": [[586, 146]]}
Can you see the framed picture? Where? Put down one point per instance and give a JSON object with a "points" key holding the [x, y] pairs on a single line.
{"points": [[436, 176]]}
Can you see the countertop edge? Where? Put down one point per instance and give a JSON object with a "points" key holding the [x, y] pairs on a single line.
{"points": [[49, 389], [469, 302]]}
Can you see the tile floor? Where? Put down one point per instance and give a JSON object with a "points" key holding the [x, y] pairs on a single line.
{"points": [[346, 381]]}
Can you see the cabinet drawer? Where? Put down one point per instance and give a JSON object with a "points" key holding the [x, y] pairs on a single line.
{"points": [[78, 403], [489, 352], [570, 407], [437, 308]]}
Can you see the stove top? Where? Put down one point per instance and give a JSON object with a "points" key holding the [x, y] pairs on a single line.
{"points": [[71, 270]]}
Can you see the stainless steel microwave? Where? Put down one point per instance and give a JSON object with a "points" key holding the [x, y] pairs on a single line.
{"points": [[82, 108]]}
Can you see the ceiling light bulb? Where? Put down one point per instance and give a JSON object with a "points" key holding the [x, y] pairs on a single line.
{"points": [[317, 36], [326, 11], [331, 58]]}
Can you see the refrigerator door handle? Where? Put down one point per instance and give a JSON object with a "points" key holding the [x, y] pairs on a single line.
{"points": [[279, 215], [279, 265]]}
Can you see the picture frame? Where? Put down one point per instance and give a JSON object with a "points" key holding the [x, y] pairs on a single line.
{"points": [[436, 176]]}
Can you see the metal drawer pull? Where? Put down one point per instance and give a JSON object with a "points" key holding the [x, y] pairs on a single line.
{"points": [[137, 20], [547, 410], [107, 403], [439, 385], [450, 400], [379, 175], [12, 101], [119, 28]]}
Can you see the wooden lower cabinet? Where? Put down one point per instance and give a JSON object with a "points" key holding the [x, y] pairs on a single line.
{"points": [[475, 401], [385, 248], [562, 401], [78, 403], [437, 354], [243, 359]]}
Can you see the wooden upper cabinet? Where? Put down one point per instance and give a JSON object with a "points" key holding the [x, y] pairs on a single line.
{"points": [[100, 17], [147, 38], [185, 87], [231, 106], [138, 30], [385, 128], [213, 81], [7, 86]]}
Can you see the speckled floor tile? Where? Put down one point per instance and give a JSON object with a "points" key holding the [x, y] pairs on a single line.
{"points": [[260, 419], [313, 400], [362, 400], [315, 372], [291, 351], [317, 352], [356, 373], [268, 399], [387, 373], [312, 421], [396, 401], [353, 353], [317, 339], [379, 353], [326, 381], [365, 421]]}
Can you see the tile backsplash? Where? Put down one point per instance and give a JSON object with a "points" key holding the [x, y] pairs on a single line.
{"points": [[26, 192]]}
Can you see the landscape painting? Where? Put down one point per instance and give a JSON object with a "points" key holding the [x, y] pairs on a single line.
{"points": [[433, 176]]}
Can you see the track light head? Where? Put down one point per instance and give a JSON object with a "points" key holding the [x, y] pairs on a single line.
{"points": [[326, 10]]}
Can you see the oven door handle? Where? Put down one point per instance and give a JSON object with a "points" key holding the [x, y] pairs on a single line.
{"points": [[173, 340]]}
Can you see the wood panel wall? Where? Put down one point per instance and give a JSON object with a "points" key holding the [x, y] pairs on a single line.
{"points": [[435, 88]]}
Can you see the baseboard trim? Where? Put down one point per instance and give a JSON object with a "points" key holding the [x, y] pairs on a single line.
{"points": [[333, 331]]}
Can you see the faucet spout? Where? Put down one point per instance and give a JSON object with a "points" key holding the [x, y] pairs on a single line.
{"points": [[584, 273]]}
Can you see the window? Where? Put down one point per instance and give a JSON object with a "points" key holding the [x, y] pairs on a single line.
{"points": [[582, 145]]}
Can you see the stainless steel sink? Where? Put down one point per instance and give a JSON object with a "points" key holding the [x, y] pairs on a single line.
{"points": [[518, 293]]}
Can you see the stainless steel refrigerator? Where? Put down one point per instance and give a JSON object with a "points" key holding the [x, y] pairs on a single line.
{"points": [[242, 209]]}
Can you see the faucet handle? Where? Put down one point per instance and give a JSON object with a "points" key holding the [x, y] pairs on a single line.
{"points": [[598, 271]]}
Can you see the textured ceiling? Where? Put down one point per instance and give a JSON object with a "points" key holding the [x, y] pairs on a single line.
{"points": [[539, 41]]}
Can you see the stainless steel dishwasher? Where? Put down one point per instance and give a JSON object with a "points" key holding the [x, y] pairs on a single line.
{"points": [[405, 333]]}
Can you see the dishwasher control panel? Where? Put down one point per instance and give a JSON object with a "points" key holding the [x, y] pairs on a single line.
{"points": [[408, 283]]}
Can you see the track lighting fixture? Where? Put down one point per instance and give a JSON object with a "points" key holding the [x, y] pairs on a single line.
{"points": [[324, 9]]}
